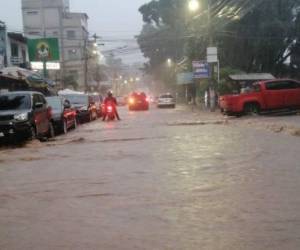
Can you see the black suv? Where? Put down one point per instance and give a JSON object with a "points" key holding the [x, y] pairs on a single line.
{"points": [[25, 114]]}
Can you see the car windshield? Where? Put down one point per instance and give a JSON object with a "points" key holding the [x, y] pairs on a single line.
{"points": [[15, 102], [77, 99], [55, 103]]}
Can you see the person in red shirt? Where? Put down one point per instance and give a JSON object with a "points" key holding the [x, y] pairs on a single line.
{"points": [[110, 100]]}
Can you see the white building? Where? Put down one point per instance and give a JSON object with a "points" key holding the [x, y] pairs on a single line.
{"points": [[52, 18], [16, 50], [13, 48]]}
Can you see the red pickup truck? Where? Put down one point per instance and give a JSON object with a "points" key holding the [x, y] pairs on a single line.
{"points": [[264, 95]]}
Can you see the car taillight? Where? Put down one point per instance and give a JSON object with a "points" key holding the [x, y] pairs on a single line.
{"points": [[49, 113]]}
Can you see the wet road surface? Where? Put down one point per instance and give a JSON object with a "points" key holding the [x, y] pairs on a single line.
{"points": [[164, 179]]}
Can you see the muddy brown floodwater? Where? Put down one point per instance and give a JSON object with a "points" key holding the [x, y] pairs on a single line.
{"points": [[163, 179]]}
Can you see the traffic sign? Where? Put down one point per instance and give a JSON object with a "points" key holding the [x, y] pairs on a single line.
{"points": [[201, 70]]}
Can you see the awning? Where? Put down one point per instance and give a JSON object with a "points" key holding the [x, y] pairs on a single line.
{"points": [[252, 77]]}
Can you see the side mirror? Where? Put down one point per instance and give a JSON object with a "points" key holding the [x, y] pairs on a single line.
{"points": [[38, 105]]}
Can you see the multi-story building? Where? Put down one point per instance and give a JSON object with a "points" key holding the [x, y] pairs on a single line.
{"points": [[52, 18]]}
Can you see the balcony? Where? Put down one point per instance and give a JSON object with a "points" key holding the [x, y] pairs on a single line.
{"points": [[14, 60]]}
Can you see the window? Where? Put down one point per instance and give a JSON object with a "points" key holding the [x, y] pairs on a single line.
{"points": [[275, 85], [71, 34], [55, 33], [293, 85], [42, 99], [279, 85], [14, 50], [34, 33], [256, 88], [72, 54], [14, 102], [35, 99], [32, 13], [23, 56]]}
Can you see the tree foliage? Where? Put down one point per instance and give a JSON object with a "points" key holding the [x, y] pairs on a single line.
{"points": [[253, 36]]}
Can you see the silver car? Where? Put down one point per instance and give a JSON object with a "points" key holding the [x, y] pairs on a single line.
{"points": [[166, 101]]}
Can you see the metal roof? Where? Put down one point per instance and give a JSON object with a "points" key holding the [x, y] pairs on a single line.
{"points": [[252, 77]]}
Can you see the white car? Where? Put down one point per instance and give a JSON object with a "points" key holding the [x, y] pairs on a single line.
{"points": [[166, 101]]}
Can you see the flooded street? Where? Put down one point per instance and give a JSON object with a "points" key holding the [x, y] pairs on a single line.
{"points": [[163, 179]]}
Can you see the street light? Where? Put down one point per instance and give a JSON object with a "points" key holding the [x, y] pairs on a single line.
{"points": [[194, 5], [169, 62]]}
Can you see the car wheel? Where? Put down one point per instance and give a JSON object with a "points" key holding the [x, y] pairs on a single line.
{"points": [[90, 117], [64, 128], [32, 133], [75, 124], [51, 132], [251, 109]]}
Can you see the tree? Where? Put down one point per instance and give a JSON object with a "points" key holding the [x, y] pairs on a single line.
{"points": [[253, 36]]}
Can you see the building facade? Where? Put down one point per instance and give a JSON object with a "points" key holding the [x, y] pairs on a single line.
{"points": [[13, 49], [52, 18], [2, 44]]}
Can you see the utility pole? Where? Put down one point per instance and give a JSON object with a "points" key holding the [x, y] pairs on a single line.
{"points": [[44, 36], [86, 58], [62, 52], [212, 89]]}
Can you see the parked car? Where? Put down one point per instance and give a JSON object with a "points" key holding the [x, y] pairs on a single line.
{"points": [[85, 107], [25, 114], [138, 101], [263, 96], [63, 115], [97, 100], [166, 101]]}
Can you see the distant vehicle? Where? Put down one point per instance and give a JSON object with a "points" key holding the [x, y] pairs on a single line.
{"points": [[84, 105], [63, 115], [97, 100], [138, 101], [25, 115], [263, 96], [166, 101], [121, 100]]}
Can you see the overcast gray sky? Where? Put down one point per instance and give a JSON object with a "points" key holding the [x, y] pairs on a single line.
{"points": [[114, 19]]}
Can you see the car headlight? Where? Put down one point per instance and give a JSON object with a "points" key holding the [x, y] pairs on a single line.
{"points": [[21, 117]]}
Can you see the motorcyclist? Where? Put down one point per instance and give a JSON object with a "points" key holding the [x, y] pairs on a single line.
{"points": [[110, 100]]}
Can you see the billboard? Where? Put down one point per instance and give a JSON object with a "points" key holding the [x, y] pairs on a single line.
{"points": [[201, 69], [45, 49], [49, 65], [185, 78]]}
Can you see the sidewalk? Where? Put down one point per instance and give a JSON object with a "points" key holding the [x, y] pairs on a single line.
{"points": [[289, 124]]}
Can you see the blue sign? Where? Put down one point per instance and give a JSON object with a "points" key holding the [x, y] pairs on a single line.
{"points": [[201, 70]]}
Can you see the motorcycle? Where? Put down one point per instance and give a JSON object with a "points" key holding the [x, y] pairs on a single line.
{"points": [[110, 112]]}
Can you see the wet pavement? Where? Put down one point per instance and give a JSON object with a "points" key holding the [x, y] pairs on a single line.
{"points": [[163, 179]]}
